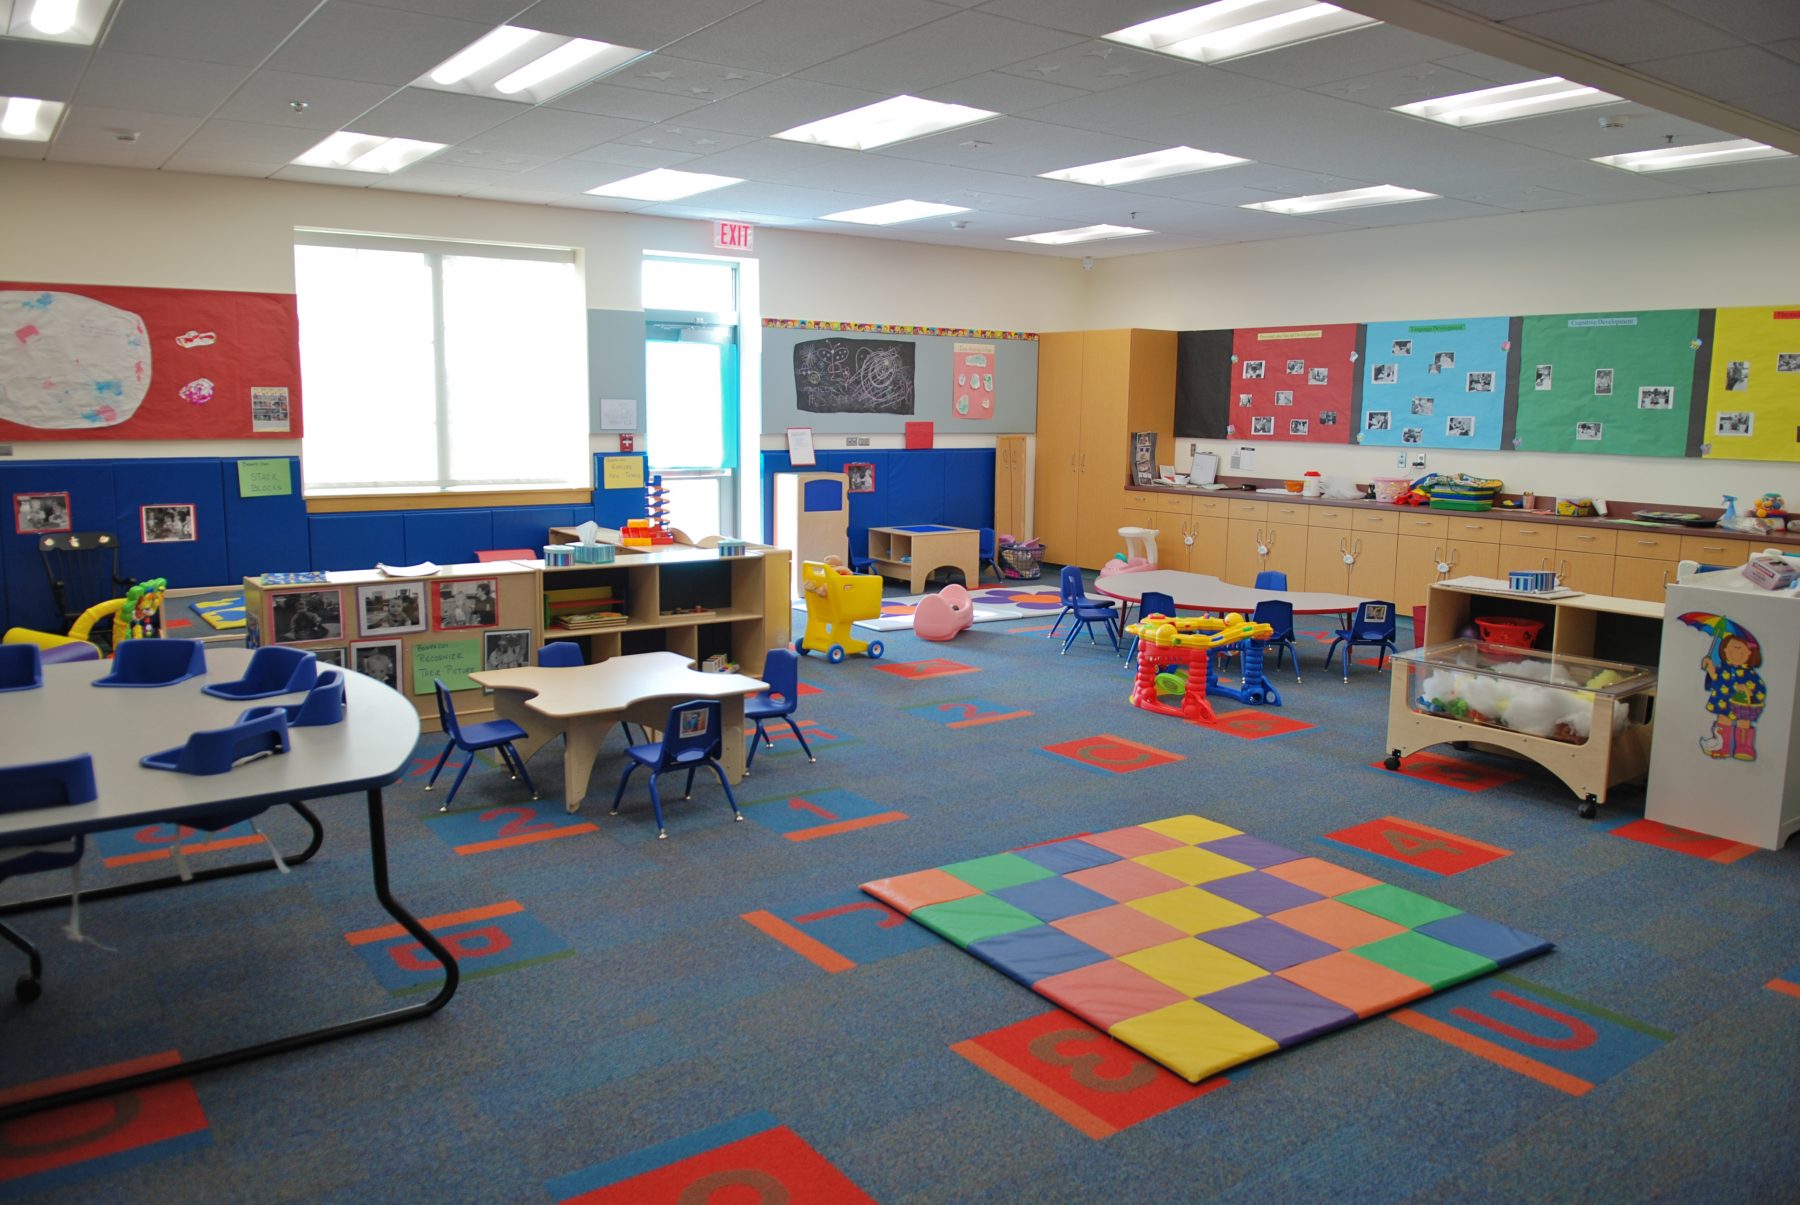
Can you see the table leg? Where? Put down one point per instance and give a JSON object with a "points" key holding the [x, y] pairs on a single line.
{"points": [[312, 1037], [582, 741], [510, 705], [731, 752]]}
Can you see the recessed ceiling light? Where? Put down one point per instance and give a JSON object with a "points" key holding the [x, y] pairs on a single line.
{"points": [[76, 22], [1232, 29], [892, 212], [1704, 154], [663, 184], [1355, 198], [1509, 102], [367, 152], [28, 119], [1176, 161], [1080, 234], [884, 122], [515, 63]]}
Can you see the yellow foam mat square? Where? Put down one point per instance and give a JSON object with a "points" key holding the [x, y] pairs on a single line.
{"points": [[1192, 967], [1192, 829], [1193, 1040], [1192, 865], [1192, 910]]}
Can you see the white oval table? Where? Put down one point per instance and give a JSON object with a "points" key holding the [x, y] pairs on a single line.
{"points": [[1202, 592]]}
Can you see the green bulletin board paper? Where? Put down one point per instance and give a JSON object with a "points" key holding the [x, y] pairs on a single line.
{"points": [[451, 660], [1647, 350], [264, 478]]}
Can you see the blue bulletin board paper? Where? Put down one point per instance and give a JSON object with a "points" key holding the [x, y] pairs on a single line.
{"points": [[1405, 403]]}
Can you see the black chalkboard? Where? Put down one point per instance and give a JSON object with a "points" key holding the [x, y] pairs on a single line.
{"points": [[854, 376], [1202, 383]]}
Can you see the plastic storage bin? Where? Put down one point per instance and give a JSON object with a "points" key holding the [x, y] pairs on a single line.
{"points": [[1509, 633]]}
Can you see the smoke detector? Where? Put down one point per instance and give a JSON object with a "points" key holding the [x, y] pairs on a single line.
{"points": [[1612, 121]]}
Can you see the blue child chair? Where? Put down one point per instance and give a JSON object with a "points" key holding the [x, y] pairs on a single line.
{"points": [[781, 672], [1280, 617], [561, 653], [1373, 625], [1152, 603], [1085, 612], [692, 737], [494, 734], [988, 550], [1271, 579], [42, 785]]}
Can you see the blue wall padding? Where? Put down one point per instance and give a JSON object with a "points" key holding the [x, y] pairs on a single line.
{"points": [[137, 483], [262, 535], [357, 541], [447, 537], [92, 507], [821, 496], [953, 486], [613, 507], [529, 526]]}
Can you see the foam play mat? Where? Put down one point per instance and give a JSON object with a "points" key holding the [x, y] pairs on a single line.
{"points": [[991, 603], [1198, 945]]}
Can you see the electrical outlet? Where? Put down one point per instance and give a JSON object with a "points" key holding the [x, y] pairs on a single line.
{"points": [[5, 450], [1418, 460], [856, 441], [1400, 461]]}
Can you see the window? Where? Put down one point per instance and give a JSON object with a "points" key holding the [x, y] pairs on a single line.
{"points": [[441, 365], [691, 388]]}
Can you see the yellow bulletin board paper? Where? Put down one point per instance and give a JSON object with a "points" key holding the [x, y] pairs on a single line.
{"points": [[264, 478], [1753, 399], [622, 472], [451, 660]]}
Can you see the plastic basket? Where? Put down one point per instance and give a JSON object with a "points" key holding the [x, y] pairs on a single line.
{"points": [[1024, 564], [1509, 633]]}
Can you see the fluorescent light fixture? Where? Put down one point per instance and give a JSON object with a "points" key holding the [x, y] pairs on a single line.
{"points": [[1176, 161], [516, 63], [1705, 154], [663, 184], [75, 22], [892, 212], [1355, 198], [28, 119], [884, 122], [1509, 102], [1081, 234], [1232, 29], [367, 152]]}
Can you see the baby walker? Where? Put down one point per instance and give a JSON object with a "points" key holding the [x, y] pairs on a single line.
{"points": [[835, 599]]}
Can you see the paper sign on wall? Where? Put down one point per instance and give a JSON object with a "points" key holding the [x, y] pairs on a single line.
{"points": [[264, 478], [451, 660], [972, 383], [621, 473], [618, 414]]}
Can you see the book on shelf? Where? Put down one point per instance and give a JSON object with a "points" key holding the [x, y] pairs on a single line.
{"points": [[584, 603], [588, 621]]}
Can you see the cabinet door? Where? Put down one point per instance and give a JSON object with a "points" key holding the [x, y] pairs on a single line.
{"points": [[1242, 560], [1325, 568], [1207, 554], [1102, 457], [1058, 436], [1009, 485], [1415, 568], [1474, 558], [1373, 574], [1588, 572], [1287, 551], [1639, 577]]}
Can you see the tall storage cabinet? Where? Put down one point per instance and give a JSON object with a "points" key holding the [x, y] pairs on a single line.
{"points": [[1009, 486]]}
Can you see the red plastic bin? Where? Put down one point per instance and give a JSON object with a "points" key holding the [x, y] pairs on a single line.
{"points": [[1509, 633]]}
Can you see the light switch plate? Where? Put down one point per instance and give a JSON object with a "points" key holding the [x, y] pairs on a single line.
{"points": [[856, 441], [1418, 460]]}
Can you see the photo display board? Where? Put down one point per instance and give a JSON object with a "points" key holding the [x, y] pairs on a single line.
{"points": [[1618, 384], [1294, 384], [1753, 393], [1437, 384]]}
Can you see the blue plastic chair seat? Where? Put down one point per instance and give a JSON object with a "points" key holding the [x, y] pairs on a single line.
{"points": [[258, 732], [1374, 626], [493, 734], [21, 667], [323, 705], [63, 783], [149, 663], [781, 670], [693, 737], [272, 671], [490, 733]]}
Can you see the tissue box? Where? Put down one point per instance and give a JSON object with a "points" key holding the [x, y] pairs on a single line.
{"points": [[558, 556], [592, 554], [731, 547]]}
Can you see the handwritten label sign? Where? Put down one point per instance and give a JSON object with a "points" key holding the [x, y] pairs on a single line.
{"points": [[622, 472], [451, 660], [264, 478]]}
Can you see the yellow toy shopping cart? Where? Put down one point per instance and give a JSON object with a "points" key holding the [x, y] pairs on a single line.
{"points": [[835, 600]]}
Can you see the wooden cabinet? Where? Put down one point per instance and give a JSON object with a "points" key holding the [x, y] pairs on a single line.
{"points": [[1211, 538], [1712, 550], [1415, 568], [1588, 572], [1009, 486], [1373, 574], [1541, 536], [1253, 546], [1471, 558], [1058, 440], [1351, 562], [1642, 577]]}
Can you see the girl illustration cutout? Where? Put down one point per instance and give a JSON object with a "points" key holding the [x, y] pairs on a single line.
{"points": [[1734, 691]]}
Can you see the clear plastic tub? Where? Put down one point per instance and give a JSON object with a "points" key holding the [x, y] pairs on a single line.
{"points": [[1539, 694]]}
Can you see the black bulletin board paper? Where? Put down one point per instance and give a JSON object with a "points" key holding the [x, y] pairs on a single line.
{"points": [[1202, 384], [855, 376]]}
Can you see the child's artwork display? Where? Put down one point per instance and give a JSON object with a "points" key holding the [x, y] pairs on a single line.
{"points": [[1435, 384], [1753, 398], [97, 362], [1294, 384], [972, 393], [1609, 384]]}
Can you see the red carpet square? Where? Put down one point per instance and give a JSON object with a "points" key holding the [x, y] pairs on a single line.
{"points": [[933, 667], [1253, 724], [1113, 754], [722, 1163], [1684, 841], [163, 1115], [1418, 845], [1450, 772]]}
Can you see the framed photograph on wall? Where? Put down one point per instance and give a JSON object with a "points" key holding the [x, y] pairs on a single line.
{"points": [[379, 659], [168, 523], [506, 648], [390, 608], [474, 603], [862, 478], [297, 616], [333, 655], [40, 514]]}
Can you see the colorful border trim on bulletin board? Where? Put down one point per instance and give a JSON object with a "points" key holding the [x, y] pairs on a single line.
{"points": [[885, 328]]}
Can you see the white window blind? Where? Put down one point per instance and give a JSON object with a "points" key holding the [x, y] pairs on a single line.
{"points": [[433, 365]]}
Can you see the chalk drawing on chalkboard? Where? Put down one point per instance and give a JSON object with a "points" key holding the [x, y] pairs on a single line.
{"points": [[854, 376]]}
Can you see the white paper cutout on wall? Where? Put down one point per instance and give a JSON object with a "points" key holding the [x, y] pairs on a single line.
{"points": [[69, 362]]}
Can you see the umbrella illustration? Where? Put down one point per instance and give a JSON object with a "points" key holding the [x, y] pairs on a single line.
{"points": [[1719, 627]]}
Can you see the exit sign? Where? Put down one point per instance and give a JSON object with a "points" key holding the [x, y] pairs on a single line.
{"points": [[732, 236]]}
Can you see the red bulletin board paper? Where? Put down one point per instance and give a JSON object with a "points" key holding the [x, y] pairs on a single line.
{"points": [[1326, 409], [256, 344], [920, 435]]}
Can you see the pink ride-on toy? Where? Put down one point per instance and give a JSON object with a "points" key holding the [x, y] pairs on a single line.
{"points": [[942, 615]]}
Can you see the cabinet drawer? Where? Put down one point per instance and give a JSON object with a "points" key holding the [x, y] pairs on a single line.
{"points": [[1173, 504], [1710, 550], [1208, 507], [1482, 531], [1436, 526], [1287, 512], [1586, 539], [1247, 510], [1375, 520], [1328, 516], [1528, 535], [1656, 545]]}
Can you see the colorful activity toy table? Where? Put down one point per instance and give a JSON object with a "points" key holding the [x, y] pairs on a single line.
{"points": [[914, 553], [1165, 643]]}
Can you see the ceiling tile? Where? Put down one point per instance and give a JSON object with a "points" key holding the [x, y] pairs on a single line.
{"points": [[496, 161], [1581, 136], [1489, 68], [487, 12], [157, 85], [436, 170], [1767, 173], [433, 116], [1776, 106], [672, 136], [220, 138], [1001, 93], [632, 104], [635, 155], [159, 134], [958, 46], [1753, 20], [1506, 10], [646, 26], [325, 175], [46, 70], [1625, 31], [552, 132], [1170, 108], [1097, 66], [102, 154], [1728, 74], [403, 182], [376, 45], [13, 148], [781, 105], [775, 158], [782, 36], [559, 176], [688, 78], [517, 196], [1404, 85], [1567, 177], [1089, 17], [1017, 145], [205, 166], [267, 96], [241, 32], [784, 200], [1345, 56]]}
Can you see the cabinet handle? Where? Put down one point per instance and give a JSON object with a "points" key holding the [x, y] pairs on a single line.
{"points": [[1471, 527], [1071, 461], [1589, 539], [1647, 543]]}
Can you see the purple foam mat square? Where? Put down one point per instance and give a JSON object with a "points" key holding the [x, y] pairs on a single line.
{"points": [[1284, 1012], [1029, 955], [1261, 892], [1270, 944], [1053, 899], [1252, 851], [1064, 856]]}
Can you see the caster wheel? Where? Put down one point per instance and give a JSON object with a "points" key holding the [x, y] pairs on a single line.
{"points": [[835, 654], [27, 989], [1589, 808], [800, 647], [876, 648], [1392, 762]]}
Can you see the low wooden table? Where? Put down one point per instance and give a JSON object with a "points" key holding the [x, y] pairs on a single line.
{"points": [[914, 552]]}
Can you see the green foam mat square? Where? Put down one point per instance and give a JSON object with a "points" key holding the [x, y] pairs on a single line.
{"points": [[967, 921], [1426, 959], [1399, 905], [998, 870]]}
